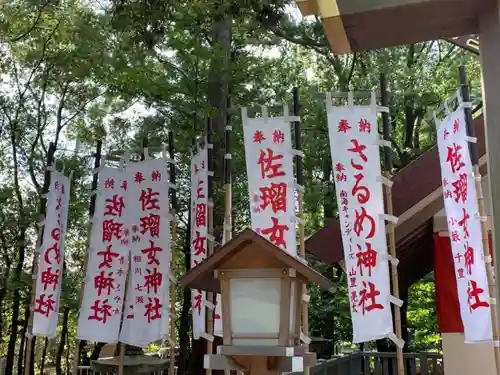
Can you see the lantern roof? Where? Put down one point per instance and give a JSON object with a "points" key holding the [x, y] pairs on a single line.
{"points": [[359, 25], [248, 250]]}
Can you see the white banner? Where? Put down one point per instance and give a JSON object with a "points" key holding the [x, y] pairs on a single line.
{"points": [[147, 216], [269, 160], [464, 226], [102, 305], [199, 232], [356, 165], [51, 258]]}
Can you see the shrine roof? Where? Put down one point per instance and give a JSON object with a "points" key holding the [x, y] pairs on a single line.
{"points": [[417, 197], [359, 25], [202, 276]]}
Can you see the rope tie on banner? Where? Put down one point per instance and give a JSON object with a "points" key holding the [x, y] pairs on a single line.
{"points": [[305, 339], [306, 298], [206, 336], [172, 278], [265, 115], [493, 301], [386, 181], [471, 139], [395, 301], [400, 343], [227, 156], [297, 186], [386, 256], [297, 153], [384, 143], [100, 167], [228, 128], [209, 305], [488, 259], [391, 218], [350, 99]]}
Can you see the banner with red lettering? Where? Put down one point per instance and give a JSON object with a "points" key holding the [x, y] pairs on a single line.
{"points": [[269, 160], [199, 234], [464, 226], [102, 304], [354, 142], [148, 219], [51, 258]]}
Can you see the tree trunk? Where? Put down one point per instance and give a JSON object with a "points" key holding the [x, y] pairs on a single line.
{"points": [[62, 343], [218, 87], [68, 365], [22, 343], [11, 348], [44, 355]]}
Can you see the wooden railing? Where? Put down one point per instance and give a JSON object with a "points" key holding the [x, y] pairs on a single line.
{"points": [[374, 363]]}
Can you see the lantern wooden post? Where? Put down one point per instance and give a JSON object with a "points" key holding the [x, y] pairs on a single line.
{"points": [[93, 192], [390, 225], [465, 96]]}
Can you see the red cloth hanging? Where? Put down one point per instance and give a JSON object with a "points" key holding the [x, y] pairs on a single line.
{"points": [[447, 305]]}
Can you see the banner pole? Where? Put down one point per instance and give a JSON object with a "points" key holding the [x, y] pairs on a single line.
{"points": [[465, 96], [390, 225], [30, 339], [210, 242], [300, 182], [228, 187], [93, 191], [173, 289]]}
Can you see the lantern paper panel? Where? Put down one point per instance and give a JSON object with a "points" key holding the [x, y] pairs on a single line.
{"points": [[354, 142], [101, 309], [199, 233], [269, 161], [148, 219], [464, 227], [51, 258]]}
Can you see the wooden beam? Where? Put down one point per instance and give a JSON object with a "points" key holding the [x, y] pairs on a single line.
{"points": [[221, 362], [261, 350]]}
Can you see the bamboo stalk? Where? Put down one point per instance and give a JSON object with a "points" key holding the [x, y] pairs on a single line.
{"points": [[390, 226], [97, 164], [394, 278], [492, 288], [210, 244], [489, 267], [209, 295], [30, 340]]}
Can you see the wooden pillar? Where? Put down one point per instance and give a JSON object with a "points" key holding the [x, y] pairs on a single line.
{"points": [[490, 67]]}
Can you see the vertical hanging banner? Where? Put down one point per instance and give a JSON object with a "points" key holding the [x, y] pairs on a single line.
{"points": [[147, 216], [102, 305], [50, 261], [354, 142], [269, 160], [464, 227], [199, 234]]}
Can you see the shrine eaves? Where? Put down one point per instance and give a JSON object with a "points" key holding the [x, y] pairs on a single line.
{"points": [[360, 25]]}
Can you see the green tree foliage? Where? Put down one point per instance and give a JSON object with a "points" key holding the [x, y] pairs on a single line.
{"points": [[121, 71]]}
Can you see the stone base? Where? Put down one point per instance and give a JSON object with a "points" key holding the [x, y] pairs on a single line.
{"points": [[132, 365]]}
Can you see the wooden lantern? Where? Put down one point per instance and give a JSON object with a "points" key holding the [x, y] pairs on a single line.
{"points": [[261, 290], [359, 25]]}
